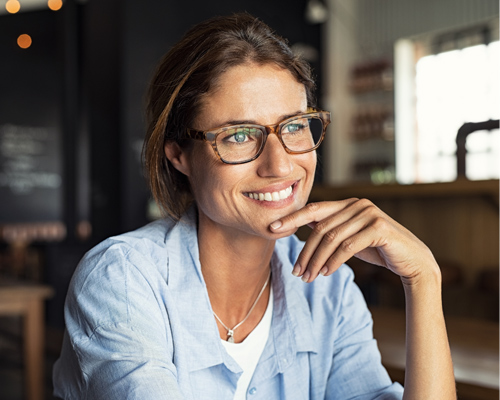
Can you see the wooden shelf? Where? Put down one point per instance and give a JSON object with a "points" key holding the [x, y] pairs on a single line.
{"points": [[485, 188]]}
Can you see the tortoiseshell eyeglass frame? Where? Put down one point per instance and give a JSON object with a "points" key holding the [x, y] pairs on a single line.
{"points": [[211, 134]]}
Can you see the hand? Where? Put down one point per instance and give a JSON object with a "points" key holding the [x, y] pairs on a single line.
{"points": [[353, 227]]}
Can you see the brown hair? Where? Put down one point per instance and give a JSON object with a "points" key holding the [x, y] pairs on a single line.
{"points": [[187, 73]]}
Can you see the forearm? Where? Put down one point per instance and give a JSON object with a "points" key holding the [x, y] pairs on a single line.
{"points": [[429, 368]]}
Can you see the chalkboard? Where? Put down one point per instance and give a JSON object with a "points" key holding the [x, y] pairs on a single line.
{"points": [[30, 120], [30, 178]]}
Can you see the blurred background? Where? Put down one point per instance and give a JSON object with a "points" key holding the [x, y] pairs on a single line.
{"points": [[413, 87]]}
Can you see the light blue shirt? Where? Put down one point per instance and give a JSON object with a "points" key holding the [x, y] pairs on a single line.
{"points": [[140, 326]]}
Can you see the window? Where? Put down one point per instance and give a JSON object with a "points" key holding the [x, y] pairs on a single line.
{"points": [[447, 89]]}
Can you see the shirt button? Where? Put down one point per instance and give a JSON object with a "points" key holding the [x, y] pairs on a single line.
{"points": [[252, 390]]}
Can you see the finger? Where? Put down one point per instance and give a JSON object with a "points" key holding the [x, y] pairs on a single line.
{"points": [[349, 247], [334, 227], [333, 240], [311, 213]]}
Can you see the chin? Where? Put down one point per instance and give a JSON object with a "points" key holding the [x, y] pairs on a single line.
{"points": [[265, 232]]}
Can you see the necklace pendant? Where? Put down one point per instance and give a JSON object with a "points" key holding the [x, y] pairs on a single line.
{"points": [[230, 332]]}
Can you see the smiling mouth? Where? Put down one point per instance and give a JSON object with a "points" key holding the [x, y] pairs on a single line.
{"points": [[271, 196]]}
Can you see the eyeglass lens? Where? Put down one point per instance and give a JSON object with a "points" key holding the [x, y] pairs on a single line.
{"points": [[242, 143]]}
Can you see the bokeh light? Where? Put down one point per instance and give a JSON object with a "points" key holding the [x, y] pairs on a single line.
{"points": [[12, 6], [55, 5], [24, 41]]}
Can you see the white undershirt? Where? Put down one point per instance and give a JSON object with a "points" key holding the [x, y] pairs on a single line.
{"points": [[248, 352]]}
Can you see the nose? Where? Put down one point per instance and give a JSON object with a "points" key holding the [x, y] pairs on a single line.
{"points": [[274, 161]]}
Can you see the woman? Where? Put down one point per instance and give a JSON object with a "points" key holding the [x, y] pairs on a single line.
{"points": [[206, 303]]}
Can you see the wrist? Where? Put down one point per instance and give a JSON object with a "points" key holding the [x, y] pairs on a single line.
{"points": [[423, 295], [428, 277]]}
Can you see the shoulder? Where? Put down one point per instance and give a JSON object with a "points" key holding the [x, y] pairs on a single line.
{"points": [[118, 272], [150, 237], [142, 247]]}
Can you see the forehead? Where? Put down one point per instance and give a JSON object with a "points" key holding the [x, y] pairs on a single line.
{"points": [[252, 93]]}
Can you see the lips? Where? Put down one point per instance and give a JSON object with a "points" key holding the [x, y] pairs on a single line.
{"points": [[271, 196]]}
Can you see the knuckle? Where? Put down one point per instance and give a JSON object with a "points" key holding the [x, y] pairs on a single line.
{"points": [[347, 245], [368, 212], [331, 236], [379, 223], [365, 203], [320, 228], [369, 209], [312, 207], [289, 218]]}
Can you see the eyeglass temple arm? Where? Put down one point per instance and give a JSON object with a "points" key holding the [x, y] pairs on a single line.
{"points": [[193, 134]]}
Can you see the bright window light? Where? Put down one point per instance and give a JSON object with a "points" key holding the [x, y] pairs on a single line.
{"points": [[452, 88]]}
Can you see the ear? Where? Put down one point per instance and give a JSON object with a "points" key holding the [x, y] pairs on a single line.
{"points": [[178, 157]]}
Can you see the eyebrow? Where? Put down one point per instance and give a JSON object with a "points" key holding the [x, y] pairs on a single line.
{"points": [[252, 122]]}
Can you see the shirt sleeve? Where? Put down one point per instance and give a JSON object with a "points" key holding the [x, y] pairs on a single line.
{"points": [[119, 335], [357, 371]]}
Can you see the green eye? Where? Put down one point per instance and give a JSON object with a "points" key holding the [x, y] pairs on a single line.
{"points": [[239, 137], [296, 126]]}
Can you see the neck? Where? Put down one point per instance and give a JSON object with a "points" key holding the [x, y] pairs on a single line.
{"points": [[235, 267]]}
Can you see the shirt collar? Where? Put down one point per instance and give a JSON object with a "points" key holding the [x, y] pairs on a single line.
{"points": [[294, 311], [291, 329], [198, 332]]}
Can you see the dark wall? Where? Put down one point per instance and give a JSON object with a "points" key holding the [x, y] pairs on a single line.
{"points": [[30, 119], [102, 92]]}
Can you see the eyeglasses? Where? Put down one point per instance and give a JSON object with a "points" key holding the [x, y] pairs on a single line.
{"points": [[239, 144]]}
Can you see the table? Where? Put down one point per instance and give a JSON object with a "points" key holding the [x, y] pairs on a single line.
{"points": [[474, 348], [26, 299]]}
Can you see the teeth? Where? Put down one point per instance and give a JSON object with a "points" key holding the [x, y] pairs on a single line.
{"points": [[273, 196]]}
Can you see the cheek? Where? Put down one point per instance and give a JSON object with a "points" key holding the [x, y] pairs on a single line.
{"points": [[309, 162], [210, 178], [201, 167], [314, 160], [204, 180]]}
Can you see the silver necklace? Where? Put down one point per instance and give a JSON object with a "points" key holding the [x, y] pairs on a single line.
{"points": [[230, 332]]}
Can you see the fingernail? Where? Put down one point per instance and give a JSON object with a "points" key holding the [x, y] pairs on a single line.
{"points": [[276, 224], [296, 270], [323, 271], [306, 276]]}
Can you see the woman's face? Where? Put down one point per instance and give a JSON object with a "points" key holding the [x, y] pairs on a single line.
{"points": [[257, 94]]}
